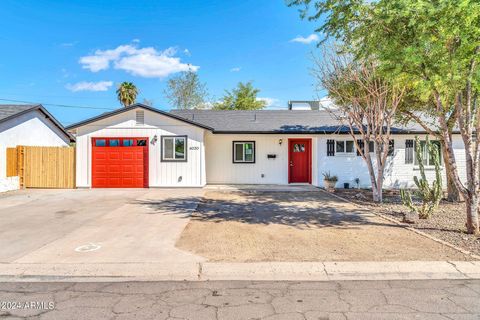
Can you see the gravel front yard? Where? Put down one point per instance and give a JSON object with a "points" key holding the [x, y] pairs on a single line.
{"points": [[447, 223], [300, 226]]}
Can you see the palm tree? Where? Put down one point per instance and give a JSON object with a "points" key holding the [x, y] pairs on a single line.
{"points": [[127, 93]]}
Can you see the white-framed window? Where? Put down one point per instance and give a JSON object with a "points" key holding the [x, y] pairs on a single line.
{"points": [[243, 151], [174, 148], [344, 146], [427, 158]]}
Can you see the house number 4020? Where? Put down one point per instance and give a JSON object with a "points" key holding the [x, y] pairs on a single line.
{"points": [[194, 148]]}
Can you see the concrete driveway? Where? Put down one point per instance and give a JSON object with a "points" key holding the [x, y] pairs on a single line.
{"points": [[94, 226]]}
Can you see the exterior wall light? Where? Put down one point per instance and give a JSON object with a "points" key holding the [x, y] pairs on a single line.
{"points": [[280, 141]]}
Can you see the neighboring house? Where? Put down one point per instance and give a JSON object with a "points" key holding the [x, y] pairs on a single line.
{"points": [[140, 146], [27, 125]]}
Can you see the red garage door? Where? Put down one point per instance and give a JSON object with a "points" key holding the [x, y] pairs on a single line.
{"points": [[119, 162]]}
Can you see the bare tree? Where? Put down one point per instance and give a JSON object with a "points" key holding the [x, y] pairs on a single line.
{"points": [[148, 102], [366, 102], [186, 91]]}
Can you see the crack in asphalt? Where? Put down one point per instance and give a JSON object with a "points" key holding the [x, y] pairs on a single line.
{"points": [[245, 299]]}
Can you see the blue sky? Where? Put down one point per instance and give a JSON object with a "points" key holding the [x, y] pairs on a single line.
{"points": [[76, 52]]}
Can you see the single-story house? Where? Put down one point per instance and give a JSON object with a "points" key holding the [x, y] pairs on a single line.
{"points": [[27, 125], [140, 146]]}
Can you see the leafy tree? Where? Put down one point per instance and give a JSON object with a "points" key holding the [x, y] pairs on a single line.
{"points": [[243, 97], [434, 47], [415, 109], [127, 93], [186, 91], [422, 112]]}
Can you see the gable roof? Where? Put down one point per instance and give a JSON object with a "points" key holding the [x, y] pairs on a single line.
{"points": [[276, 121], [11, 111], [132, 107]]}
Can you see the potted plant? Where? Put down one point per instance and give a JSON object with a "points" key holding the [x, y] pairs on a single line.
{"points": [[329, 181]]}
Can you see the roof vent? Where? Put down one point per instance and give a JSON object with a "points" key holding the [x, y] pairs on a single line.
{"points": [[139, 118]]}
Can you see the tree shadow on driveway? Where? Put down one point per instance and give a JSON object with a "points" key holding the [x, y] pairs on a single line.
{"points": [[296, 209]]}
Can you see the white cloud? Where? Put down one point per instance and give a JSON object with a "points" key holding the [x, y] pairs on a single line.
{"points": [[311, 38], [235, 69], [187, 52], [89, 86], [136, 40], [269, 101], [144, 62]]}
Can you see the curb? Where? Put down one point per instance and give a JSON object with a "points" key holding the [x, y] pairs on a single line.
{"points": [[342, 271], [408, 227], [231, 271]]}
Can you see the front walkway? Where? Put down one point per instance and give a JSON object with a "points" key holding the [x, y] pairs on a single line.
{"points": [[294, 187]]}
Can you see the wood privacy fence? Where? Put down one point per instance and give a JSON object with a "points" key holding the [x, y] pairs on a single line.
{"points": [[42, 167]]}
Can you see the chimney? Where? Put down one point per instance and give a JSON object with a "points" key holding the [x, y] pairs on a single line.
{"points": [[314, 104]]}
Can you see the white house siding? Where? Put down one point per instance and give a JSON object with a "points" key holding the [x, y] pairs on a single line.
{"points": [[30, 129], [397, 173], [161, 174], [221, 169]]}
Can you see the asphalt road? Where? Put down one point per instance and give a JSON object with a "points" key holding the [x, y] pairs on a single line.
{"points": [[425, 299]]}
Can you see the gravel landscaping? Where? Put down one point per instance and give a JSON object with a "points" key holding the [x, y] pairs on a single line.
{"points": [[300, 226], [447, 223]]}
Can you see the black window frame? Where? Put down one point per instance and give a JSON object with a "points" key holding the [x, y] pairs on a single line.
{"points": [[162, 159], [254, 152]]}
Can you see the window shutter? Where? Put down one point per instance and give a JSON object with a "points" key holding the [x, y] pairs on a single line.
{"points": [[360, 144], [330, 147], [391, 147], [408, 151]]}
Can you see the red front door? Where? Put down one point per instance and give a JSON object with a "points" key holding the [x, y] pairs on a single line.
{"points": [[119, 162], [299, 160]]}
